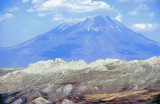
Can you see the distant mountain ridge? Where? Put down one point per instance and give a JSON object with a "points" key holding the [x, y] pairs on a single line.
{"points": [[91, 39]]}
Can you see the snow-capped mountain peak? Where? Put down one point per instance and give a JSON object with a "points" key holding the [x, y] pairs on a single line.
{"points": [[93, 38], [99, 23]]}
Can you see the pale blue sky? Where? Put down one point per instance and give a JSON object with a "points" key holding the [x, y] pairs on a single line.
{"points": [[21, 20]]}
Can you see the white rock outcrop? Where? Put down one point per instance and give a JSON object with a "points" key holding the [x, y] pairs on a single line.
{"points": [[110, 74]]}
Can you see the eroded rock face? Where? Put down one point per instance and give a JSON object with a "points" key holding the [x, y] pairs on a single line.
{"points": [[62, 82]]}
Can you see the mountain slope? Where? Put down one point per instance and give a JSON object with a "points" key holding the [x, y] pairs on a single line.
{"points": [[94, 38]]}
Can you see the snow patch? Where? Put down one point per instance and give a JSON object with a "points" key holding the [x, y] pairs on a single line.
{"points": [[41, 100], [67, 89]]}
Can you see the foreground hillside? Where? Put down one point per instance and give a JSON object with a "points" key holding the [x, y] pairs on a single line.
{"points": [[103, 81]]}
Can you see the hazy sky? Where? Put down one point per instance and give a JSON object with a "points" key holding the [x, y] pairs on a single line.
{"points": [[21, 20]]}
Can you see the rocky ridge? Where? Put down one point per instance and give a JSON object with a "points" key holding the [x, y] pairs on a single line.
{"points": [[51, 82]]}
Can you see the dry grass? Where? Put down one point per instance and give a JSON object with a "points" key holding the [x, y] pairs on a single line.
{"points": [[107, 97]]}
